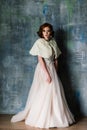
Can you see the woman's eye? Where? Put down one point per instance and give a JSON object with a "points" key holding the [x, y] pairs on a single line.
{"points": [[46, 31]]}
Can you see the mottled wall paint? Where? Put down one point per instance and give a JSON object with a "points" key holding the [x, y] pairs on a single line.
{"points": [[19, 22], [73, 17]]}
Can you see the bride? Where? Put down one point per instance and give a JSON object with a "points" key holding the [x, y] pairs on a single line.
{"points": [[46, 105]]}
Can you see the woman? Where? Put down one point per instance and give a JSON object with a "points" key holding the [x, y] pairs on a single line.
{"points": [[46, 105]]}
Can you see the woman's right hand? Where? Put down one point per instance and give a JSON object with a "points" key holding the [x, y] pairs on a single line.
{"points": [[48, 79]]}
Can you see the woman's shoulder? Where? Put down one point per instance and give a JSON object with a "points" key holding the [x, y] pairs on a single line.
{"points": [[53, 42], [40, 40], [37, 47]]}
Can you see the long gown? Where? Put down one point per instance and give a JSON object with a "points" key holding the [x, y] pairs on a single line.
{"points": [[46, 106]]}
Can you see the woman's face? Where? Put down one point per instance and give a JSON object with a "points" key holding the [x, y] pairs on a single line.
{"points": [[46, 32]]}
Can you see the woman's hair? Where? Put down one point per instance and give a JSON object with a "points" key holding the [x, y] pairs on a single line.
{"points": [[42, 27]]}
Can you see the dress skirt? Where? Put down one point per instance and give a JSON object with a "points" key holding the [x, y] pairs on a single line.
{"points": [[46, 105]]}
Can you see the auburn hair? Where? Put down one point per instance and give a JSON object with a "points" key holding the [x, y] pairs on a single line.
{"points": [[42, 27]]}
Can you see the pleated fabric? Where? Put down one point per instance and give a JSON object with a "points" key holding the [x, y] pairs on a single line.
{"points": [[46, 105]]}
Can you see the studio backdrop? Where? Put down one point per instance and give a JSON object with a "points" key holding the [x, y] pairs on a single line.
{"points": [[19, 23]]}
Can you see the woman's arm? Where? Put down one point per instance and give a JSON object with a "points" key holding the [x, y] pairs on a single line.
{"points": [[56, 64], [42, 62]]}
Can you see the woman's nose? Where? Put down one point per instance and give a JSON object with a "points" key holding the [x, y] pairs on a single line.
{"points": [[46, 32]]}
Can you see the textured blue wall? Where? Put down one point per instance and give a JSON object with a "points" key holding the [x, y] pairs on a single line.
{"points": [[19, 22], [74, 19]]}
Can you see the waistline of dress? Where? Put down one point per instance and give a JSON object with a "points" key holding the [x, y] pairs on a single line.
{"points": [[49, 61]]}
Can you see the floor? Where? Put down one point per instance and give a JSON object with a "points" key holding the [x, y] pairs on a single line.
{"points": [[5, 124]]}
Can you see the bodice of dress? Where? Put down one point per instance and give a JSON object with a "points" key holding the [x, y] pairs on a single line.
{"points": [[51, 58]]}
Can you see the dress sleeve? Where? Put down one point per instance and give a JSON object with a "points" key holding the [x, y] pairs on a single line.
{"points": [[34, 50], [56, 49], [58, 52]]}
